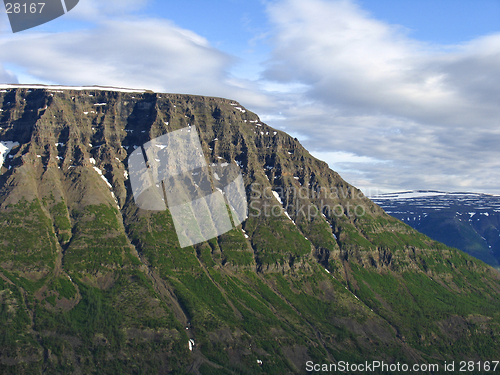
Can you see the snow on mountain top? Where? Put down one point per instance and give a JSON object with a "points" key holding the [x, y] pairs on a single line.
{"points": [[422, 194], [409, 194], [425, 201], [6, 86]]}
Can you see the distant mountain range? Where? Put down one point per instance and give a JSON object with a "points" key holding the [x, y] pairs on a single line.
{"points": [[467, 221]]}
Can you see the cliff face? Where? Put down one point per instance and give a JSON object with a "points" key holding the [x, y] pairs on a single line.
{"points": [[91, 283]]}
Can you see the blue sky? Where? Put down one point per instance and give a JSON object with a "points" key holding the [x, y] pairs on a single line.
{"points": [[393, 94], [439, 21]]}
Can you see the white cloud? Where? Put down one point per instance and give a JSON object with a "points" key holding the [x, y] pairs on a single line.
{"points": [[339, 157], [151, 54], [7, 76], [346, 84], [138, 53], [372, 92], [115, 43]]}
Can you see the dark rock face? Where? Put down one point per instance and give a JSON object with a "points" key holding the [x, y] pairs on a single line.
{"points": [[91, 283]]}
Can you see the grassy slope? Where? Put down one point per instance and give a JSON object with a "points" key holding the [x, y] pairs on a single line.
{"points": [[89, 288]]}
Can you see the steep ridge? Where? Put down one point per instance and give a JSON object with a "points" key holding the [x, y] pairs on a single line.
{"points": [[90, 283]]}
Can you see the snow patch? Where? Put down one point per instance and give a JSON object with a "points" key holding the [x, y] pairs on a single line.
{"points": [[53, 88], [5, 148], [103, 177], [288, 216], [408, 194], [277, 196]]}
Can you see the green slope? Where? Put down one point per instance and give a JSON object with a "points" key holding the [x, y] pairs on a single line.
{"points": [[93, 285]]}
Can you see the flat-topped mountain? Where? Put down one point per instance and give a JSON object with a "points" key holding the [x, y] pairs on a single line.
{"points": [[318, 273]]}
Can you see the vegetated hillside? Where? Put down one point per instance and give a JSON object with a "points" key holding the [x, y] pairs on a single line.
{"points": [[90, 283], [467, 221]]}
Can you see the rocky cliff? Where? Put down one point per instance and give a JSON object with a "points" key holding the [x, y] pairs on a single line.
{"points": [[91, 283]]}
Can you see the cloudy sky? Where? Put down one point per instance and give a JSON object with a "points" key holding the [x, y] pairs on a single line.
{"points": [[394, 94]]}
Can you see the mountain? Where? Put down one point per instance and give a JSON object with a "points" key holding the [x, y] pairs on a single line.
{"points": [[317, 274], [467, 221]]}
